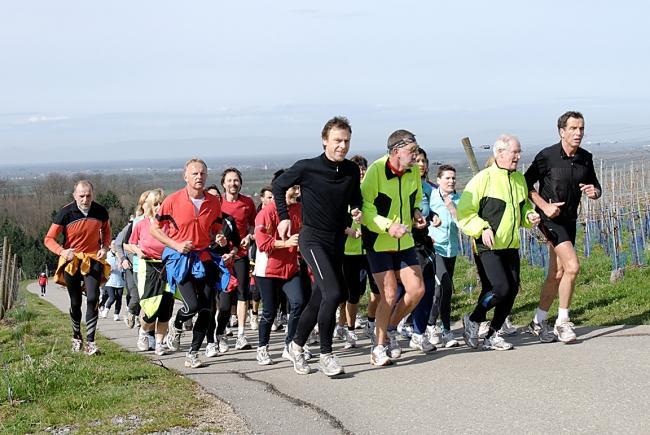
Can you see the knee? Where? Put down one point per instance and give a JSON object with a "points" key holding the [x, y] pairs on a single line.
{"points": [[572, 268], [390, 297]]}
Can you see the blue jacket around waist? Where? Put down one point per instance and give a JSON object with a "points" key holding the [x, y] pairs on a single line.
{"points": [[179, 266]]}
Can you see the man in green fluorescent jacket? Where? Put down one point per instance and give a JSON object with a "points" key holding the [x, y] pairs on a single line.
{"points": [[491, 209], [392, 192]]}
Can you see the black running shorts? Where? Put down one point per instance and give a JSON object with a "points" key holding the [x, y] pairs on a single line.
{"points": [[559, 232]]}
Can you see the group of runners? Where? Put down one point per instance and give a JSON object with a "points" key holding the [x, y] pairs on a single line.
{"points": [[327, 228]]}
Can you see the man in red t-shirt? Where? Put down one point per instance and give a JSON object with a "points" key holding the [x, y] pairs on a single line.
{"points": [[187, 222], [242, 209]]}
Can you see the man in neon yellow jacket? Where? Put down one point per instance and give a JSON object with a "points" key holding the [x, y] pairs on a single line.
{"points": [[491, 209], [392, 192]]}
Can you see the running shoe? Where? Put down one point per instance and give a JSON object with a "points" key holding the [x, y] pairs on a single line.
{"points": [[404, 329], [483, 329], [233, 321], [565, 330], [369, 330], [306, 351], [496, 342], [211, 350], [152, 341], [263, 357], [277, 324], [448, 339], [77, 344], [359, 322], [379, 357], [129, 320], [297, 357], [116, 317], [285, 352], [188, 325], [507, 329], [160, 349], [137, 321], [340, 332], [542, 331], [330, 366], [470, 332], [173, 338], [394, 349], [435, 337], [421, 342], [103, 313], [255, 324], [313, 337], [350, 339], [143, 341], [242, 343], [91, 348], [228, 331], [222, 343], [192, 360]]}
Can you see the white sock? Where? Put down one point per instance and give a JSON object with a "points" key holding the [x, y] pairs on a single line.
{"points": [[562, 314], [540, 315], [240, 330]]}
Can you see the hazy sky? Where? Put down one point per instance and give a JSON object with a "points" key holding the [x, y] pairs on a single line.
{"points": [[81, 80]]}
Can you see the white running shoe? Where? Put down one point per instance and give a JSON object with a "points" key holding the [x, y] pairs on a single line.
{"points": [[359, 322], [565, 331], [483, 329], [211, 350], [496, 342], [103, 313], [394, 349], [222, 343], [350, 339], [160, 349], [449, 340], [507, 329], [379, 357], [369, 330], [470, 332], [192, 360], [313, 337], [435, 337], [152, 342], [242, 343], [340, 332], [421, 342], [143, 341], [173, 338], [263, 357], [330, 366], [91, 348], [297, 357], [116, 317], [233, 321], [255, 324], [77, 344]]}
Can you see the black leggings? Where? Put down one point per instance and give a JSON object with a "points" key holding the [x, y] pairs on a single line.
{"points": [[241, 269], [499, 273], [225, 301], [323, 253], [444, 289], [197, 296], [91, 282], [271, 289], [133, 297]]}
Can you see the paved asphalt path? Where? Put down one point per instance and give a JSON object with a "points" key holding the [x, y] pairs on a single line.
{"points": [[600, 384]]}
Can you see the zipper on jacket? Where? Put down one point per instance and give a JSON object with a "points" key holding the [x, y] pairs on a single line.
{"points": [[514, 212], [401, 219]]}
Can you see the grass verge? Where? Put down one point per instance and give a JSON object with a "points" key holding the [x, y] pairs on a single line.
{"points": [[52, 388]]}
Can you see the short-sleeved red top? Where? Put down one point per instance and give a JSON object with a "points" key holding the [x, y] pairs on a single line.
{"points": [[243, 211], [181, 222]]}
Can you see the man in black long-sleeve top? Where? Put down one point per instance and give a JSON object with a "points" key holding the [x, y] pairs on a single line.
{"points": [[565, 172], [329, 187]]}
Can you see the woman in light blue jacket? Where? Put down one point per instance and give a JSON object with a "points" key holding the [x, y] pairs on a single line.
{"points": [[443, 202]]}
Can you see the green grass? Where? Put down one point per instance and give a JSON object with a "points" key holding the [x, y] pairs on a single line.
{"points": [[52, 387], [596, 301]]}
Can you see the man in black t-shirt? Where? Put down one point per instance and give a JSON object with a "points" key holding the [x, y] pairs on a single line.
{"points": [[565, 172]]}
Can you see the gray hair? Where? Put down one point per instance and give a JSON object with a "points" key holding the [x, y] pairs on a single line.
{"points": [[503, 143]]}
